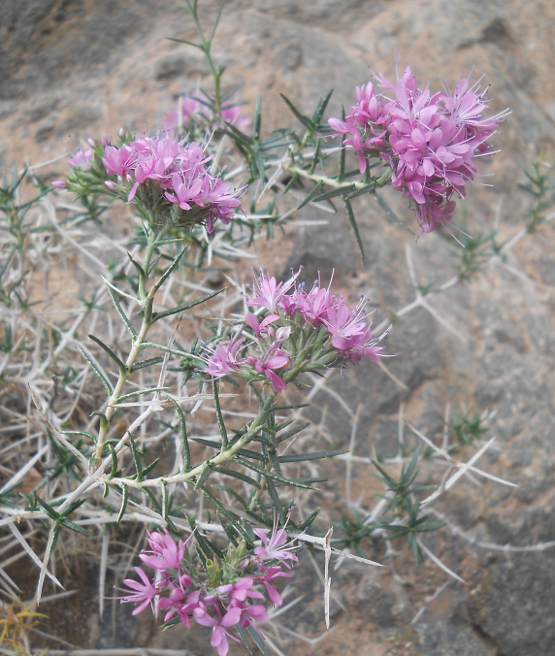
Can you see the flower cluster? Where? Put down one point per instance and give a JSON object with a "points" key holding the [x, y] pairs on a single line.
{"points": [[295, 331], [191, 110], [167, 169], [431, 141], [224, 597]]}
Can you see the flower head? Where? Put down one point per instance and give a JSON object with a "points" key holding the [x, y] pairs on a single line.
{"points": [[142, 593], [274, 546], [224, 360], [81, 159], [431, 141]]}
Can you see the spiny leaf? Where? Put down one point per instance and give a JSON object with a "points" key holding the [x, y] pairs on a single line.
{"points": [[185, 306], [302, 118], [183, 431], [391, 213], [315, 455], [354, 227], [312, 195], [121, 313], [321, 108], [147, 363], [167, 273], [102, 378], [293, 431], [121, 366], [333, 193], [124, 498], [269, 474], [238, 475]]}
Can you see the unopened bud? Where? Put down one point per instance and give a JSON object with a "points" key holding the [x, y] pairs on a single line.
{"points": [[283, 333]]}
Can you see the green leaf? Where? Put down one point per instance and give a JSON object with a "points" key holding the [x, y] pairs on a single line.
{"points": [[46, 507], [124, 498], [303, 119], [201, 480], [114, 471], [219, 418], [363, 190], [308, 521], [146, 363], [243, 637], [238, 475], [312, 195], [314, 455], [275, 497], [257, 118], [102, 378], [186, 306], [75, 527], [354, 228], [162, 347], [183, 432], [258, 640], [217, 445], [291, 182], [149, 390], [391, 213], [150, 467], [137, 266], [134, 452], [233, 493], [293, 431], [121, 313], [269, 474], [82, 433], [121, 366], [430, 526], [167, 273], [333, 193], [321, 108]]}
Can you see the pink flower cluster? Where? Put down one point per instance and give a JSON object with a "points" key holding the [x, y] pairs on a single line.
{"points": [[430, 141], [190, 109], [341, 333], [177, 591], [177, 169]]}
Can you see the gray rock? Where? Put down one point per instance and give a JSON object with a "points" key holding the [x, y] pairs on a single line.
{"points": [[444, 639], [520, 614]]}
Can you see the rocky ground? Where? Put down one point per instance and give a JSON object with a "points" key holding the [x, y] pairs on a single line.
{"points": [[77, 68]]}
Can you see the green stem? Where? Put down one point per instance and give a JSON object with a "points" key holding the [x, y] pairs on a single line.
{"points": [[221, 457], [148, 300]]}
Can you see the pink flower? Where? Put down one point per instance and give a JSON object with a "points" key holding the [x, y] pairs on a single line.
{"points": [[119, 161], [273, 547], [144, 592], [165, 552], [270, 294], [315, 305], [431, 141], [59, 184], [351, 336], [269, 364], [224, 360], [271, 573], [190, 109], [219, 635], [81, 159], [240, 590], [258, 328]]}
